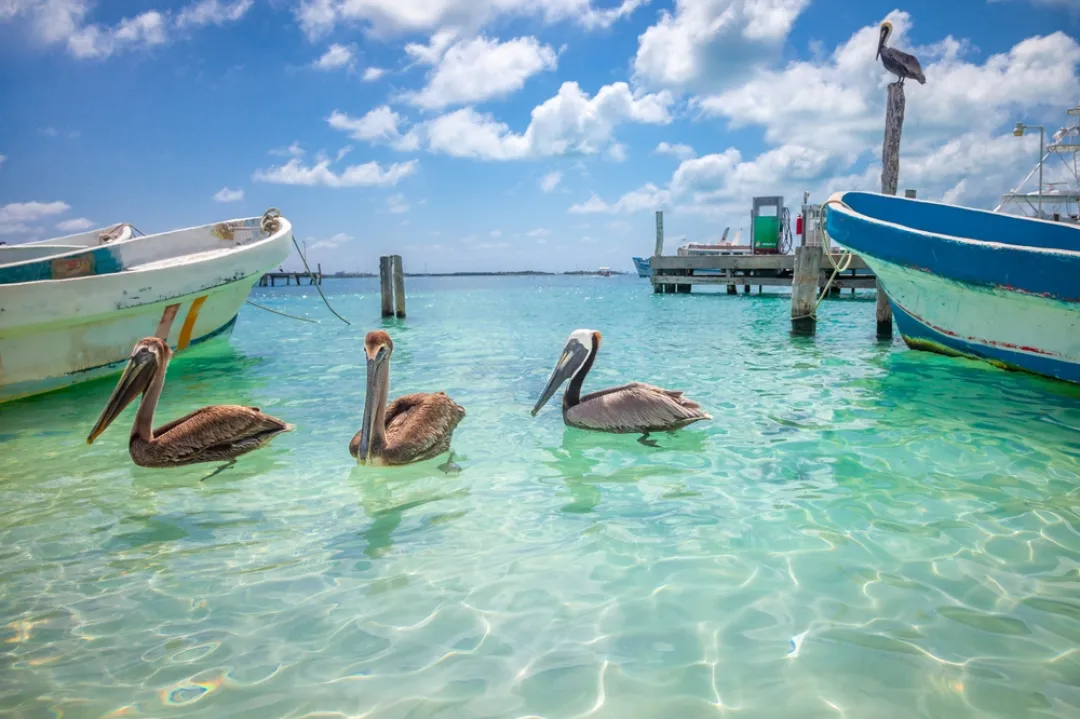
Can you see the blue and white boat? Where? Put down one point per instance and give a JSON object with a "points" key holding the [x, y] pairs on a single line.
{"points": [[644, 268], [996, 287]]}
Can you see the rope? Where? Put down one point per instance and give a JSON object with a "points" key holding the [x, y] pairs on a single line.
{"points": [[283, 314], [270, 224], [845, 259]]}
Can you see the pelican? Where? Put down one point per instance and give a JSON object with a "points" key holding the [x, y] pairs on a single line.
{"points": [[896, 61], [412, 428], [218, 433], [634, 408]]}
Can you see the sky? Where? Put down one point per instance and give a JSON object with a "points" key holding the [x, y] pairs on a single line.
{"points": [[505, 134]]}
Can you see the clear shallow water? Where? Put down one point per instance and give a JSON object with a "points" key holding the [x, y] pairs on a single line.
{"points": [[911, 522]]}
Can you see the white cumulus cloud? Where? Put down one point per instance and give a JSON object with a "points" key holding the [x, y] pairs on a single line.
{"points": [[550, 181], [227, 195], [318, 18], [480, 69], [713, 42], [20, 212], [77, 224], [335, 57], [679, 150], [56, 22], [569, 123], [371, 74], [369, 174], [381, 125]]}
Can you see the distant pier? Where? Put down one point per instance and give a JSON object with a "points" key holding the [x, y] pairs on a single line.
{"points": [[678, 274], [271, 279]]}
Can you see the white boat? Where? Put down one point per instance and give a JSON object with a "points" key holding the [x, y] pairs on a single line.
{"points": [[723, 247], [1058, 201], [71, 308]]}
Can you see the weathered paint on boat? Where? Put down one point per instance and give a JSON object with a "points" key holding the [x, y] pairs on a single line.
{"points": [[185, 286], [1000, 288]]}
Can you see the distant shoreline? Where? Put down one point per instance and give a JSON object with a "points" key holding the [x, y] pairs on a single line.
{"points": [[516, 273]]}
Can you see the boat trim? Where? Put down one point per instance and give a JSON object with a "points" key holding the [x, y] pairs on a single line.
{"points": [[953, 255], [922, 335]]}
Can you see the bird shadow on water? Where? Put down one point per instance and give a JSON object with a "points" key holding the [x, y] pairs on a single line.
{"points": [[389, 494], [587, 461]]}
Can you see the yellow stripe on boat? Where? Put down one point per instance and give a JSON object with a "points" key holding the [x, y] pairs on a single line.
{"points": [[189, 323]]}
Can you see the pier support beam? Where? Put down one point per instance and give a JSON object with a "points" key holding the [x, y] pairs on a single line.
{"points": [[399, 286], [890, 178], [804, 287], [386, 284]]}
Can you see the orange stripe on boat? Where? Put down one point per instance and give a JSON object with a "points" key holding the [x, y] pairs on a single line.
{"points": [[189, 323], [165, 324]]}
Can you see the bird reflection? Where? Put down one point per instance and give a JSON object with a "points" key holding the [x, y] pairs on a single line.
{"points": [[386, 496], [581, 463]]}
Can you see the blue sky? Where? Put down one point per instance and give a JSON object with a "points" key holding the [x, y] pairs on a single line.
{"points": [[504, 134]]}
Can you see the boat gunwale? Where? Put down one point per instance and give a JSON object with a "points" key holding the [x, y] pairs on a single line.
{"points": [[844, 208], [187, 259], [70, 249]]}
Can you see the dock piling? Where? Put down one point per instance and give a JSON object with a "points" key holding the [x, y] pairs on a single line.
{"points": [[804, 288], [890, 178], [386, 285], [399, 286]]}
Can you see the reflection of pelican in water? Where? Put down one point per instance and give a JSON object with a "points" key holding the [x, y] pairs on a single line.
{"points": [[412, 428], [634, 408], [386, 499], [219, 433], [577, 464]]}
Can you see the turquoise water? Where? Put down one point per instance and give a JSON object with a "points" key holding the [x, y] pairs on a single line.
{"points": [[861, 531]]}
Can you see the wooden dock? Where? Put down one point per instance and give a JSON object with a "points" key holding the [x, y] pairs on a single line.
{"points": [[673, 274], [270, 279]]}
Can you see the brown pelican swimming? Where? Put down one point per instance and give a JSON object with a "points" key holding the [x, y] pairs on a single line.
{"points": [[634, 408], [412, 428], [219, 433], [896, 61]]}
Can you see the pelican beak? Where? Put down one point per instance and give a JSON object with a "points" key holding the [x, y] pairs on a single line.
{"points": [[375, 375], [135, 379], [573, 356]]}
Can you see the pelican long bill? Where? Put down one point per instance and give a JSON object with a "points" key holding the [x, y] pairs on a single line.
{"points": [[372, 400], [573, 356], [136, 376]]}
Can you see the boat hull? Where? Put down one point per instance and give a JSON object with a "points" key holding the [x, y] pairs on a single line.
{"points": [[1008, 329], [52, 358], [56, 333], [1005, 291]]}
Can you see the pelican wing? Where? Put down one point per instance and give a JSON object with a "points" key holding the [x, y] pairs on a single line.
{"points": [[635, 407], [419, 426], [214, 430], [906, 62]]}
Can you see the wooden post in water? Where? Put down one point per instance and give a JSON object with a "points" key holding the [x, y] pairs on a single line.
{"points": [[804, 288], [890, 177], [386, 284], [399, 286], [659, 250]]}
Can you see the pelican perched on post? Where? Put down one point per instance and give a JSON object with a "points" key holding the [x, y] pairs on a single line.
{"points": [[634, 408], [218, 433], [412, 428], [896, 61]]}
